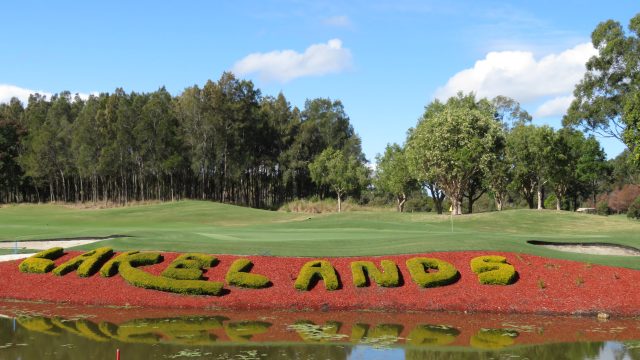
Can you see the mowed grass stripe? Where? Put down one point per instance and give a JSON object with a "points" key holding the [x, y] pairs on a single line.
{"points": [[218, 228]]}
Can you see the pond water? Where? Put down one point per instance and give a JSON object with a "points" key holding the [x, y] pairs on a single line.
{"points": [[41, 331]]}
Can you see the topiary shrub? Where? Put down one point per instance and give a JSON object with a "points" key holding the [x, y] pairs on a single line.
{"points": [[87, 264], [189, 266], [143, 279], [389, 278], [238, 275], [493, 270], [137, 258], [634, 209], [419, 269], [41, 262], [315, 270]]}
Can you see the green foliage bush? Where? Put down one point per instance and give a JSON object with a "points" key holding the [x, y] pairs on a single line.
{"points": [[389, 278], [315, 270], [419, 267], [136, 277], [238, 275], [143, 279], [602, 208], [135, 257], [634, 209], [550, 202], [41, 262], [493, 270], [87, 264], [189, 266]]}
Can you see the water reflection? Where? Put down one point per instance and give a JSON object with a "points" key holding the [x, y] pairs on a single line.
{"points": [[38, 331]]}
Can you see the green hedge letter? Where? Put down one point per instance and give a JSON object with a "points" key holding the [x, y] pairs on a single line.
{"points": [[41, 262], [316, 270], [388, 278], [419, 269], [87, 264], [493, 270]]}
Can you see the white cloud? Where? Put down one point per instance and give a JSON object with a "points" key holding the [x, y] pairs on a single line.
{"points": [[518, 74], [554, 107], [285, 65], [10, 91], [337, 21]]}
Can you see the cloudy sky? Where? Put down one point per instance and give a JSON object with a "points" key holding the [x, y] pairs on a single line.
{"points": [[385, 59]]}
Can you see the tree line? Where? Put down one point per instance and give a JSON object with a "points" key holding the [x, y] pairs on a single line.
{"points": [[227, 142], [224, 142], [465, 147]]}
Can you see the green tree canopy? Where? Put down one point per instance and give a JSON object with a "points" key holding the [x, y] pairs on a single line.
{"points": [[607, 100], [338, 170], [454, 142], [392, 174]]}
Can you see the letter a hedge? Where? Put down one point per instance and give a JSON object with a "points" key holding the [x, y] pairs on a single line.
{"points": [[316, 270], [87, 264]]}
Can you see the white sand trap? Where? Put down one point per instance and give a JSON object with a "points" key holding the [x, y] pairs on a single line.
{"points": [[592, 249], [47, 244], [43, 245]]}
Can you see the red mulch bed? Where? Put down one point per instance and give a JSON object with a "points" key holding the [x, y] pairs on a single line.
{"points": [[545, 286]]}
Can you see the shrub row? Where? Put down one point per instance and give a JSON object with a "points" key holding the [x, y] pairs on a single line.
{"points": [[41, 262], [238, 275], [493, 270], [419, 269], [315, 270], [130, 273], [189, 266], [87, 264], [389, 277], [135, 258]]}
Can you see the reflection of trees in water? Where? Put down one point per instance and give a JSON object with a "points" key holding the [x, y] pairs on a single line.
{"points": [[563, 351]]}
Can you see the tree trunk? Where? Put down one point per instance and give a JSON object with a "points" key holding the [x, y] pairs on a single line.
{"points": [[540, 198], [339, 202], [558, 200], [402, 199]]}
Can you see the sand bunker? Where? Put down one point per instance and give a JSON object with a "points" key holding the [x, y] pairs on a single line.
{"points": [[47, 244], [589, 248]]}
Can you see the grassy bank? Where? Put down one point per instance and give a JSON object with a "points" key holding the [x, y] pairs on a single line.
{"points": [[217, 228]]}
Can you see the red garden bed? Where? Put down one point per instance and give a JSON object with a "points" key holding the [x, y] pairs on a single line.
{"points": [[546, 286]]}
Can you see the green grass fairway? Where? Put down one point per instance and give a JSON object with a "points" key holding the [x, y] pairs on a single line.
{"points": [[217, 228]]}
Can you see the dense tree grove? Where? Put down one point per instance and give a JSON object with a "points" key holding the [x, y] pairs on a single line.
{"points": [[225, 142], [466, 147]]}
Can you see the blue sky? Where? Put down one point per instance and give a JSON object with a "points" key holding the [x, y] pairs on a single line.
{"points": [[384, 59]]}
